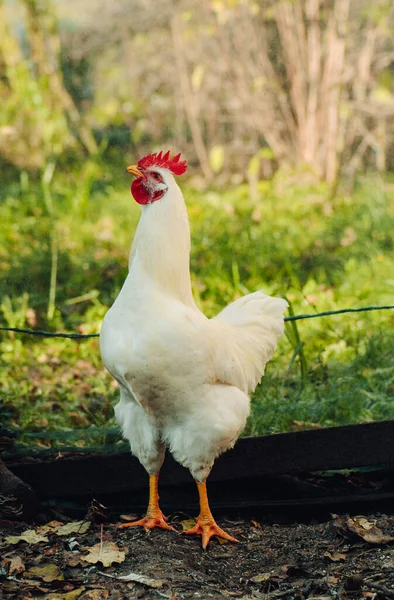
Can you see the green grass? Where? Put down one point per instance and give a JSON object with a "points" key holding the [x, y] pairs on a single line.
{"points": [[322, 253], [360, 390]]}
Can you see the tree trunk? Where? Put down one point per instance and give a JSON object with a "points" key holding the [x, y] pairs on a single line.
{"points": [[190, 106], [45, 51]]}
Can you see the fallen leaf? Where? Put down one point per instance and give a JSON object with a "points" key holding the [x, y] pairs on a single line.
{"points": [[261, 577], [154, 583], [365, 524], [59, 528], [49, 572], [49, 527], [256, 524], [129, 517], [29, 536], [221, 540], [16, 565], [74, 527], [106, 553], [279, 574], [188, 524], [361, 528], [367, 531], [335, 556], [72, 559]]}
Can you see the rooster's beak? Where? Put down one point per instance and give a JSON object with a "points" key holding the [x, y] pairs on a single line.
{"points": [[134, 170]]}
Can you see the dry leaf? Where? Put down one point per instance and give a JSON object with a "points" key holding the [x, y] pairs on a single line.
{"points": [[367, 531], [362, 528], [221, 540], [74, 527], [49, 572], [72, 559], [129, 517], [106, 553], [154, 583], [59, 528], [48, 528], [335, 556], [261, 577], [16, 565], [29, 536], [188, 524], [365, 524], [279, 574]]}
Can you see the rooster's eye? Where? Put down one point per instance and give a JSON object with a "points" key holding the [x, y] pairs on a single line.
{"points": [[156, 176]]}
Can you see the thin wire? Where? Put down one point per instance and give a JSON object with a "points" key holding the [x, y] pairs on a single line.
{"points": [[51, 334], [79, 336], [337, 312]]}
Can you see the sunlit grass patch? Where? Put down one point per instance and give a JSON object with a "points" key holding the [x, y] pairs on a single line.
{"points": [[322, 253]]}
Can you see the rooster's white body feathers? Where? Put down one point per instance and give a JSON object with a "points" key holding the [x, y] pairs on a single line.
{"points": [[184, 379]]}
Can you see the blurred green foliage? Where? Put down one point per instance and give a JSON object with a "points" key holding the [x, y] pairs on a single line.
{"points": [[317, 91], [79, 94], [293, 239]]}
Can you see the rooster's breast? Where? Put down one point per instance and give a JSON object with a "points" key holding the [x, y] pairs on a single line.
{"points": [[162, 358]]}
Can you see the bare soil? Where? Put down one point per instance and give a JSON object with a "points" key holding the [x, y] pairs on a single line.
{"points": [[322, 560]]}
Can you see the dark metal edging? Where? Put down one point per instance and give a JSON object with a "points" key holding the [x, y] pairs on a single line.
{"points": [[335, 448]]}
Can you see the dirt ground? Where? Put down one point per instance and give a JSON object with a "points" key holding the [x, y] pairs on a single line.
{"points": [[346, 557]]}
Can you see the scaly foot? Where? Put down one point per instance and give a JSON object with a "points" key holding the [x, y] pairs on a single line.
{"points": [[207, 527], [156, 519]]}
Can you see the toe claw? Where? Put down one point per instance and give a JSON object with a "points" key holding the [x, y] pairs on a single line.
{"points": [[208, 530]]}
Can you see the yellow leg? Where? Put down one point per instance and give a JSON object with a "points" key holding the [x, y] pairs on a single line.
{"points": [[206, 525], [154, 517]]}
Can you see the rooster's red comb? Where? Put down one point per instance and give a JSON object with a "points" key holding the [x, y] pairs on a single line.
{"points": [[174, 164]]}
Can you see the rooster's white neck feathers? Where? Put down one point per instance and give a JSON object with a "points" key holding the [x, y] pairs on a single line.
{"points": [[161, 246]]}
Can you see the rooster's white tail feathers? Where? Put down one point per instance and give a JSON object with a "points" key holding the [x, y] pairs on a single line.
{"points": [[246, 334]]}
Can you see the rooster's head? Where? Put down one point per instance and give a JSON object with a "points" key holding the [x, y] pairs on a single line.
{"points": [[153, 176]]}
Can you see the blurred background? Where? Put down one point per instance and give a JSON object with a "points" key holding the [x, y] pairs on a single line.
{"points": [[285, 113]]}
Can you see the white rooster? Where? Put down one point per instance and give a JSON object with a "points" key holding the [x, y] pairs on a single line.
{"points": [[184, 379]]}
